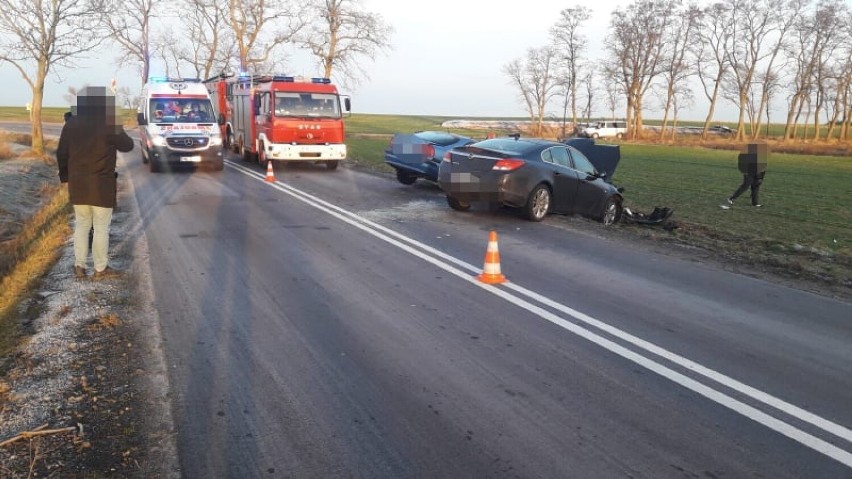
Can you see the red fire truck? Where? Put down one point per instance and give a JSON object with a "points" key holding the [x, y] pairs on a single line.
{"points": [[281, 118]]}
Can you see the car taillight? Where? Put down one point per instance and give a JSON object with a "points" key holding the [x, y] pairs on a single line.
{"points": [[447, 157], [429, 151], [508, 164]]}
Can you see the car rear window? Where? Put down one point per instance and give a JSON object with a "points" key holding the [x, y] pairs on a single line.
{"points": [[507, 145], [437, 137]]}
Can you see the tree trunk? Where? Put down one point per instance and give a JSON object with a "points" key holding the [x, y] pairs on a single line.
{"points": [[795, 103], [38, 99], [669, 95], [740, 136], [712, 109]]}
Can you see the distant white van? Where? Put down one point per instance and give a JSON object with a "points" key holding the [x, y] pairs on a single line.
{"points": [[606, 129]]}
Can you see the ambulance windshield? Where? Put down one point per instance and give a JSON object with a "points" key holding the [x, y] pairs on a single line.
{"points": [[181, 110]]}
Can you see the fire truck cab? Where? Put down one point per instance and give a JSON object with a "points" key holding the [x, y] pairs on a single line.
{"points": [[282, 118], [177, 124]]}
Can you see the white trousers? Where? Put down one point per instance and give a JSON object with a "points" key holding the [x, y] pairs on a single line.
{"points": [[85, 217]]}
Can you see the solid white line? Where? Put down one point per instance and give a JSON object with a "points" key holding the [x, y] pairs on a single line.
{"points": [[773, 423]]}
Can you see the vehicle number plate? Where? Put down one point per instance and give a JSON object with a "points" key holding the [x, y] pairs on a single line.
{"points": [[192, 159]]}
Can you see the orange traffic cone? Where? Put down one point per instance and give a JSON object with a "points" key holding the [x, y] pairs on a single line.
{"points": [[491, 271], [270, 175]]}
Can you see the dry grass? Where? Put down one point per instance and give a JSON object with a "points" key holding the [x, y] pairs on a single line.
{"points": [[6, 151], [19, 138], [28, 256], [106, 321]]}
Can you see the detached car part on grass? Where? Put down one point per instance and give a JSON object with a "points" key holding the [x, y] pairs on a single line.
{"points": [[418, 155], [538, 176]]}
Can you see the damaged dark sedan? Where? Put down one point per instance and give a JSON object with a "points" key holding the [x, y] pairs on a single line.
{"points": [[539, 176]]}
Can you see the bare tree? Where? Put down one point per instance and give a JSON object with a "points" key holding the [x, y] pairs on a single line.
{"points": [[684, 97], [125, 97], [636, 46], [129, 25], [675, 64], [786, 12], [38, 35], [758, 35], [711, 53], [536, 82], [588, 81], [210, 47], [166, 47], [340, 34], [842, 108], [260, 27], [570, 44], [614, 92], [833, 16]]}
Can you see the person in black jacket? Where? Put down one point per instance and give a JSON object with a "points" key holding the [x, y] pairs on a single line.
{"points": [[86, 156], [752, 165]]}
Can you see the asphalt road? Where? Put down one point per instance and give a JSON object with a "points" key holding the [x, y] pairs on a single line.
{"points": [[329, 325]]}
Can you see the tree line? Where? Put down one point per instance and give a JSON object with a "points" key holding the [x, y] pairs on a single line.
{"points": [[192, 38], [745, 52]]}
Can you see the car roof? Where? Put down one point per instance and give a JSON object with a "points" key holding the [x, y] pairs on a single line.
{"points": [[439, 137], [520, 145]]}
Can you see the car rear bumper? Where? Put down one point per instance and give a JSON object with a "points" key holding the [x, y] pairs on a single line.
{"points": [[425, 169], [489, 186]]}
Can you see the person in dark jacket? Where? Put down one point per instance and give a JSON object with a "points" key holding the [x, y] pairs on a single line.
{"points": [[86, 156], [752, 165]]}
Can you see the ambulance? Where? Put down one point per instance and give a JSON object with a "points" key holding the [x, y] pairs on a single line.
{"points": [[178, 126]]}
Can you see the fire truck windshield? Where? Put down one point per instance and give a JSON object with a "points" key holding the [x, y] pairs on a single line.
{"points": [[322, 105]]}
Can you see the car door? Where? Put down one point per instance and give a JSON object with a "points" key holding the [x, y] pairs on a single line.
{"points": [[591, 192], [565, 179]]}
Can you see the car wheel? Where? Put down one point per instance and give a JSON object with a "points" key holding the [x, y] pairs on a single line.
{"points": [[405, 177], [612, 212], [594, 136], [538, 203], [154, 166], [619, 135], [332, 164], [457, 205], [219, 165]]}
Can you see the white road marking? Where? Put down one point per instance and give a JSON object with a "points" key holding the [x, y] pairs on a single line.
{"points": [[399, 240]]}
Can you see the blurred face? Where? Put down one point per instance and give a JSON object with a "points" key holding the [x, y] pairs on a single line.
{"points": [[97, 103]]}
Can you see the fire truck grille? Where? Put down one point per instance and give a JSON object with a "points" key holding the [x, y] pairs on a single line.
{"points": [[187, 142]]}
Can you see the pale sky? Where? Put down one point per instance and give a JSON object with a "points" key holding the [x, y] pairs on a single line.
{"points": [[447, 60]]}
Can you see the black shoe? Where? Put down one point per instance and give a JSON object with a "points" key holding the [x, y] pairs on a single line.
{"points": [[106, 273], [79, 272], [758, 206], [730, 201]]}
